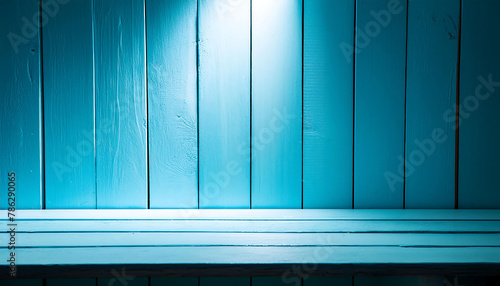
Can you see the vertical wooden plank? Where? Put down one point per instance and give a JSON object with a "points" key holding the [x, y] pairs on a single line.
{"points": [[120, 277], [400, 280], [69, 107], [328, 281], [379, 102], [121, 119], [72, 282], [328, 103], [23, 282], [276, 104], [224, 74], [185, 281], [20, 112], [430, 94], [224, 281], [479, 105], [172, 105]]}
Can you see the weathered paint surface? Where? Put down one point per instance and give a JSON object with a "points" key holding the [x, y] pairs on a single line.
{"points": [[20, 106], [276, 104], [68, 74], [121, 115], [224, 74], [430, 96], [328, 103], [172, 103], [379, 102], [479, 134]]}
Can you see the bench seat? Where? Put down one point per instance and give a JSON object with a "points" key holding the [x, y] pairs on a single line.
{"points": [[93, 243]]}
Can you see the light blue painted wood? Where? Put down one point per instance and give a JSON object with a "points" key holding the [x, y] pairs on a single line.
{"points": [[224, 281], [22, 282], [379, 102], [431, 93], [479, 105], [328, 104], [72, 282], [69, 107], [276, 104], [224, 74], [328, 281], [120, 277], [172, 105], [185, 281], [20, 105], [121, 115]]}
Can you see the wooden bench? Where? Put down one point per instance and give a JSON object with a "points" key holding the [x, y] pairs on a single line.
{"points": [[93, 243]]}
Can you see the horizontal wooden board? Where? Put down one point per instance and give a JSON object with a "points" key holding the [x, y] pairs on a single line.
{"points": [[154, 239], [258, 226], [254, 255], [309, 214]]}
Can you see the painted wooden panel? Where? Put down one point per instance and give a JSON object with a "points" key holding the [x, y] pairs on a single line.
{"points": [[185, 281], [401, 280], [20, 105], [328, 281], [172, 105], [69, 107], [120, 277], [274, 281], [431, 95], [276, 104], [479, 105], [380, 61], [121, 115], [328, 103], [224, 74], [72, 282], [23, 282], [224, 281]]}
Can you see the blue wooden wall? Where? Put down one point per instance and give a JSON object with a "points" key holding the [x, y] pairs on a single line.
{"points": [[250, 104]]}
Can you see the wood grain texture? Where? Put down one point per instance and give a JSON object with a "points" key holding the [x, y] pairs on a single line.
{"points": [[172, 106], [479, 104], [430, 95], [68, 74], [20, 105], [261, 215], [121, 115], [276, 104], [224, 74], [379, 101], [328, 104]]}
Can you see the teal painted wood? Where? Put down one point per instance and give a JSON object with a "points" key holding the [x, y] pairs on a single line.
{"points": [[172, 105], [276, 104], [23, 282], [431, 95], [20, 105], [72, 282], [69, 107], [224, 74], [328, 281], [120, 277], [402, 280], [328, 104], [273, 281], [379, 102], [184, 281], [121, 115], [479, 104], [224, 281]]}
